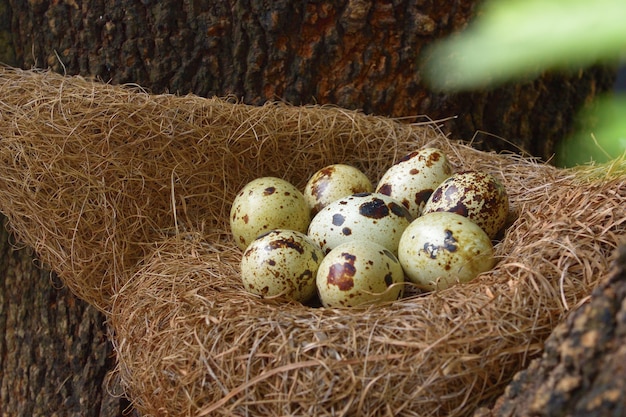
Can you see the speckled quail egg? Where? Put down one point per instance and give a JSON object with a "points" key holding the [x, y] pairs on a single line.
{"points": [[477, 195], [364, 216], [357, 273], [413, 179], [281, 262], [441, 248], [334, 182], [265, 204]]}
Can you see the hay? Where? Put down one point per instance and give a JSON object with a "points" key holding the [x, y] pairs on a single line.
{"points": [[126, 196], [92, 174]]}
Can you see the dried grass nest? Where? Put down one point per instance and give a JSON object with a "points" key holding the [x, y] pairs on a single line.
{"points": [[126, 196]]}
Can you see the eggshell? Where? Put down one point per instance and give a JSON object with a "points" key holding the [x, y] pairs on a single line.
{"points": [[365, 216], [477, 195], [281, 262], [441, 248], [334, 182], [265, 204], [358, 273], [413, 179]]}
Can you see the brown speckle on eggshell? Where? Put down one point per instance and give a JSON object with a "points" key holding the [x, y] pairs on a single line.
{"points": [[439, 249], [281, 262], [359, 273], [413, 179], [368, 216], [265, 204], [332, 183], [477, 195]]}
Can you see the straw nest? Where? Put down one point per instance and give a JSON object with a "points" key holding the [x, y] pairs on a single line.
{"points": [[126, 196]]}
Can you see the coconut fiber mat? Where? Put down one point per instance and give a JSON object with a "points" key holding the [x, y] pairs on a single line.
{"points": [[126, 196]]}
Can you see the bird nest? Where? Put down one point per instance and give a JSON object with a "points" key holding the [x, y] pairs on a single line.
{"points": [[126, 196]]}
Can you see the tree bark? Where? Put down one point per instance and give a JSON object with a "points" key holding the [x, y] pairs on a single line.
{"points": [[54, 352], [582, 371], [356, 54]]}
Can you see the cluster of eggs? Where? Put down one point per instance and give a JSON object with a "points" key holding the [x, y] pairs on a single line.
{"points": [[352, 244]]}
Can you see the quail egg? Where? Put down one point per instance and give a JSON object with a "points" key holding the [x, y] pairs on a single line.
{"points": [[365, 216], [281, 262], [413, 179], [265, 204], [441, 248], [477, 195], [357, 273], [334, 182]]}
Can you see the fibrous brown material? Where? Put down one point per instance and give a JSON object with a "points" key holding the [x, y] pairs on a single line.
{"points": [[582, 371], [126, 196]]}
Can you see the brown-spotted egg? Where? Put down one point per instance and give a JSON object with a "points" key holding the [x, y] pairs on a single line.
{"points": [[441, 248], [334, 182], [265, 204], [365, 216], [359, 273], [477, 195], [413, 179], [281, 262]]}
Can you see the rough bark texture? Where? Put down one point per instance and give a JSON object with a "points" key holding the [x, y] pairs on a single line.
{"points": [[582, 371], [355, 54], [54, 353]]}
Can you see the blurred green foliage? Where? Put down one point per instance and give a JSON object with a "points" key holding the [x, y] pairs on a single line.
{"points": [[520, 39], [600, 135]]}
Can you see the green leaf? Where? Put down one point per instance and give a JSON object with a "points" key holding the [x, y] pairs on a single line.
{"points": [[601, 136], [521, 38]]}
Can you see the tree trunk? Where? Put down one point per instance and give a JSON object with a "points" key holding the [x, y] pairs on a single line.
{"points": [[582, 371], [355, 54], [54, 353]]}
